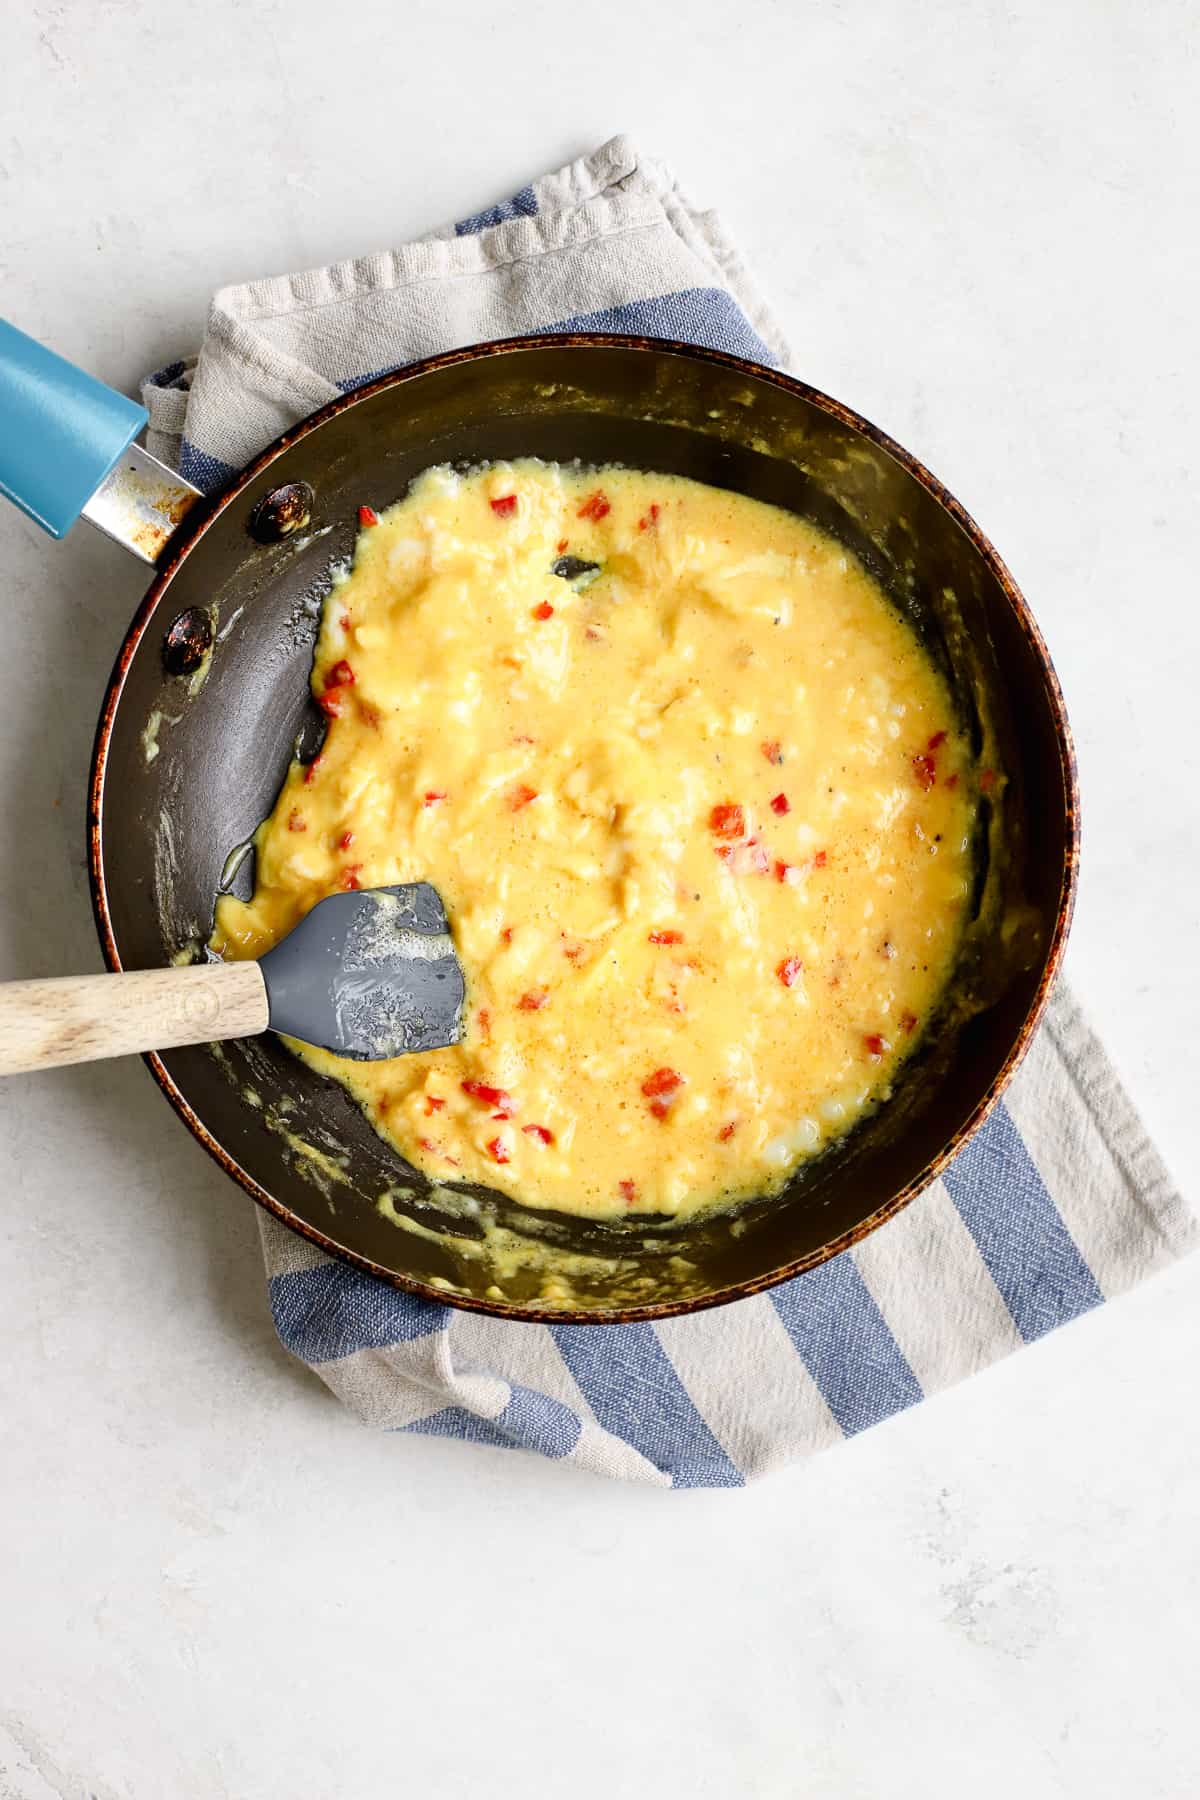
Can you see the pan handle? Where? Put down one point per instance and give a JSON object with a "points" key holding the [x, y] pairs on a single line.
{"points": [[66, 448]]}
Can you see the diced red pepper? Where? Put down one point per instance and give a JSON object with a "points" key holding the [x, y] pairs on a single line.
{"points": [[540, 1132], [790, 971], [925, 770], [521, 796], [344, 621], [727, 821], [787, 872], [505, 506], [433, 1103], [627, 1190], [490, 1096], [345, 841], [662, 1084], [543, 611], [498, 1150], [727, 1131], [330, 702], [340, 675], [772, 749], [936, 741], [781, 805], [367, 515], [666, 937], [561, 545], [296, 819], [534, 1000], [310, 774], [350, 877], [433, 796], [987, 781], [820, 859], [875, 1045], [506, 934], [596, 506]]}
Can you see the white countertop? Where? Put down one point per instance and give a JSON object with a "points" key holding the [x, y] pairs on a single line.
{"points": [[977, 226]]}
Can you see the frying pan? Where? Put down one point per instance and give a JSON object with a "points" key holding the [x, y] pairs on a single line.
{"points": [[210, 693]]}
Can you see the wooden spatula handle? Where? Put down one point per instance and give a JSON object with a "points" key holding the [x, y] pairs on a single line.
{"points": [[84, 1017]]}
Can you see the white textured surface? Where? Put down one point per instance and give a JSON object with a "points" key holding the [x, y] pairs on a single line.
{"points": [[978, 226]]}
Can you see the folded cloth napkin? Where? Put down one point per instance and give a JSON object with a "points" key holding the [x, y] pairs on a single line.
{"points": [[1059, 1202]]}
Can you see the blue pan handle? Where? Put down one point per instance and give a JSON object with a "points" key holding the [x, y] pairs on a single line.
{"points": [[61, 431]]}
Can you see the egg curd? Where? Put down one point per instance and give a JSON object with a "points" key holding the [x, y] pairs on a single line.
{"points": [[696, 802]]}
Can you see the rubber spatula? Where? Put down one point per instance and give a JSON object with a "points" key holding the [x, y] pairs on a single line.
{"points": [[368, 975]]}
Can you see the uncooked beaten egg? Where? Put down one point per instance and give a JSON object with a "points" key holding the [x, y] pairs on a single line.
{"points": [[698, 807]]}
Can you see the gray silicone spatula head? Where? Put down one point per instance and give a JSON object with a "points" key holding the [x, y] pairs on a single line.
{"points": [[369, 975]]}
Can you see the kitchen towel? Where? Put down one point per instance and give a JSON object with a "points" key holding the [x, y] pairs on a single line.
{"points": [[1059, 1202]]}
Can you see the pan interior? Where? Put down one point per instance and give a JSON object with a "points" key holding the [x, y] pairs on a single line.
{"points": [[194, 761]]}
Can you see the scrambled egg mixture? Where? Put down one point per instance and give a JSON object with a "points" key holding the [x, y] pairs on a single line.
{"points": [[697, 805]]}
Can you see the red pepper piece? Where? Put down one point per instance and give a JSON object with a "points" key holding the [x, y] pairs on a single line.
{"points": [[490, 1096], [521, 796], [543, 611], [345, 841], [310, 774], [666, 937], [727, 821], [662, 1084], [367, 515], [534, 1000], [506, 934], [790, 971], [875, 1045], [627, 1190], [561, 546], [345, 621], [433, 1103], [596, 506], [925, 770], [781, 805], [505, 506], [540, 1132], [341, 675], [727, 1131], [498, 1150], [350, 881], [787, 872], [936, 741], [433, 796], [820, 859], [296, 820], [772, 749], [651, 517], [330, 702]]}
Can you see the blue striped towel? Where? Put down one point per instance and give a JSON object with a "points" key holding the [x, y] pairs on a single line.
{"points": [[1058, 1203]]}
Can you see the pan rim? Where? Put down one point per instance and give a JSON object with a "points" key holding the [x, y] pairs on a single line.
{"points": [[193, 531]]}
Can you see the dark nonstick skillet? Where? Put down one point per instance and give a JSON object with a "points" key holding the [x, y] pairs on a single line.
{"points": [[210, 693]]}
